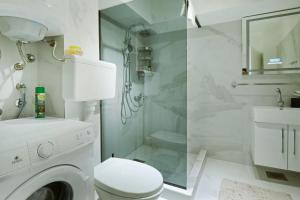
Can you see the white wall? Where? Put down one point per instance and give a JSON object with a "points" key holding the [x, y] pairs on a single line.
{"points": [[118, 138], [9, 78], [45, 71], [165, 102], [81, 28], [219, 116], [49, 73]]}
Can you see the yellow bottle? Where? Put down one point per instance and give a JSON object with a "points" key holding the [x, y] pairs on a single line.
{"points": [[74, 50]]}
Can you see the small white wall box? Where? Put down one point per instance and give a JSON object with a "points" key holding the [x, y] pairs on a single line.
{"points": [[87, 80]]}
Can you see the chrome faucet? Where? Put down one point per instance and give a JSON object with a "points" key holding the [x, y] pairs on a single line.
{"points": [[21, 102], [280, 101], [139, 99]]}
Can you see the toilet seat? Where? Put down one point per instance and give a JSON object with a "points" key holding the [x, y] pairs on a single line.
{"points": [[129, 179]]}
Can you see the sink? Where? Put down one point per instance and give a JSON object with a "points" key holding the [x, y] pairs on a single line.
{"points": [[272, 114]]}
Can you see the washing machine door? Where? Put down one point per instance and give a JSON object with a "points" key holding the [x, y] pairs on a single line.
{"points": [[57, 183]]}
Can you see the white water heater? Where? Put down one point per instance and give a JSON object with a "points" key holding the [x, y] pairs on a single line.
{"points": [[31, 20]]}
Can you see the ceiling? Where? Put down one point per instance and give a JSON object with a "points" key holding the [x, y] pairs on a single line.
{"points": [[217, 11], [220, 11], [155, 15], [103, 4]]}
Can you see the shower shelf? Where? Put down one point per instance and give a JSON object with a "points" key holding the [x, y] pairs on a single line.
{"points": [[145, 61], [145, 72], [145, 58], [144, 49]]}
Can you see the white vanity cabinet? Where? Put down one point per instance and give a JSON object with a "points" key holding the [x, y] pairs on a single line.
{"points": [[294, 148], [276, 138], [270, 145]]}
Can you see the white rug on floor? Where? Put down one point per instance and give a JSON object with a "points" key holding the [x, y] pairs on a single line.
{"points": [[232, 190]]}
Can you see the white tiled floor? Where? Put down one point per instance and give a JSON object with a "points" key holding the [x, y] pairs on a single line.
{"points": [[215, 171]]}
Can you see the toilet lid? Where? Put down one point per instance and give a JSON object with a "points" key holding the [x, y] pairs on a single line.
{"points": [[128, 178]]}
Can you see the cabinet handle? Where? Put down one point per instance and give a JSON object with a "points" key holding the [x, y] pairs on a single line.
{"points": [[294, 142], [282, 140]]}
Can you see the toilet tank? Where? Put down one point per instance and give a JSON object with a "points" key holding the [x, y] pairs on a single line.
{"points": [[88, 80]]}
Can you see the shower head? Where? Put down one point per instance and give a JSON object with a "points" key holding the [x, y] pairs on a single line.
{"points": [[142, 29], [137, 28], [145, 33]]}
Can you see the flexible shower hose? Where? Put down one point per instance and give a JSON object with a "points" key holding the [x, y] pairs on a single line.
{"points": [[128, 106]]}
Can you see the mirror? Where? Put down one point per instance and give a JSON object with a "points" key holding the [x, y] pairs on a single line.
{"points": [[271, 43]]}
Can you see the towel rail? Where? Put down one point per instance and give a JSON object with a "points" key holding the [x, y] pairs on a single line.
{"points": [[236, 84]]}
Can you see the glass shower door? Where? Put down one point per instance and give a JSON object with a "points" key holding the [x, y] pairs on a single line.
{"points": [[146, 121]]}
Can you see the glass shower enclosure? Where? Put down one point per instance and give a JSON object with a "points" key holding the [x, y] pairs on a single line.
{"points": [[147, 119]]}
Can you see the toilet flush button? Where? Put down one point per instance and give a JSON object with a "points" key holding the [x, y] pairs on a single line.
{"points": [[45, 150]]}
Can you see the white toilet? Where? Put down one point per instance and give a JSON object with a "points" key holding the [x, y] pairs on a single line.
{"points": [[121, 179]]}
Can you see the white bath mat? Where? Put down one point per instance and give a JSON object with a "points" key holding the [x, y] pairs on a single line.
{"points": [[232, 190]]}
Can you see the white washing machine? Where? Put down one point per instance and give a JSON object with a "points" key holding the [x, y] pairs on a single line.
{"points": [[46, 159]]}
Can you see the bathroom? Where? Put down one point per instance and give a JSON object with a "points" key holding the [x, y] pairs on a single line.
{"points": [[190, 114]]}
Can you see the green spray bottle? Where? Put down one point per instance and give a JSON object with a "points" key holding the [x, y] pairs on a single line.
{"points": [[40, 102]]}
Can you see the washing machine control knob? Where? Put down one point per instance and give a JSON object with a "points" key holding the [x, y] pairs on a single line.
{"points": [[45, 150]]}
